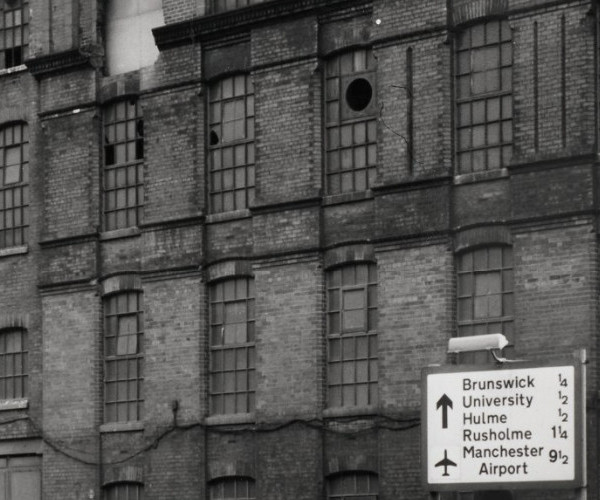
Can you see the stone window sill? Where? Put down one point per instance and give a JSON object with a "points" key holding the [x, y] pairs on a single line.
{"points": [[337, 199], [122, 427], [238, 418], [350, 411], [227, 216], [481, 176], [19, 250], [126, 232], [14, 404], [14, 69]]}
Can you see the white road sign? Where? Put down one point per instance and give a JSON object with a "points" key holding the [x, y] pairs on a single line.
{"points": [[518, 426]]}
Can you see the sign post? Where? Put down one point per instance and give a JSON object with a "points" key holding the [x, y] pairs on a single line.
{"points": [[513, 427]]}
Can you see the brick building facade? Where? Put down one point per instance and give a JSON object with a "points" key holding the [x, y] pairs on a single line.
{"points": [[232, 232]]}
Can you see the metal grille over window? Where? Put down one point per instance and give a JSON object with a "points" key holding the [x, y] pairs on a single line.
{"points": [[14, 32], [124, 491], [231, 144], [355, 486], [232, 356], [238, 488], [13, 364], [352, 334], [14, 185], [484, 97], [123, 347], [351, 122], [123, 165], [485, 292]]}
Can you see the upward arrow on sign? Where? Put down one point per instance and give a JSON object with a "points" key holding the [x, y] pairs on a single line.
{"points": [[445, 402]]}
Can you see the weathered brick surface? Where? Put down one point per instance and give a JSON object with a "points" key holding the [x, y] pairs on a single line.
{"points": [[286, 168], [71, 153], [173, 148], [555, 191], [174, 353], [415, 305], [289, 344], [563, 83], [284, 231], [481, 203], [547, 210]]}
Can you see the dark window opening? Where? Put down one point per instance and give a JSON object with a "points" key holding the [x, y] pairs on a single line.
{"points": [[14, 32], [109, 154], [359, 94], [231, 144], [123, 165], [350, 139], [14, 188]]}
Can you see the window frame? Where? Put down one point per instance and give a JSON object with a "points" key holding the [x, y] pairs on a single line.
{"points": [[484, 116], [123, 372], [372, 483], [225, 483], [218, 6], [232, 365], [350, 140], [120, 491], [17, 31], [14, 195], [123, 165], [231, 143], [21, 466], [468, 320], [18, 380], [352, 352]]}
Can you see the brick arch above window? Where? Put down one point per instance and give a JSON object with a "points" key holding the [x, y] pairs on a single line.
{"points": [[14, 321], [219, 470], [341, 464], [124, 491], [229, 269], [465, 11], [123, 474], [349, 254], [121, 283], [481, 236], [233, 488]]}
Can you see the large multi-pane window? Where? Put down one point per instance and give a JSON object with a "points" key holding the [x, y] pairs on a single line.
{"points": [[123, 349], [351, 122], [353, 486], [14, 359], [123, 165], [484, 97], [231, 143], [124, 491], [14, 32], [14, 185], [223, 5], [21, 477], [485, 292], [235, 488], [352, 335], [232, 354]]}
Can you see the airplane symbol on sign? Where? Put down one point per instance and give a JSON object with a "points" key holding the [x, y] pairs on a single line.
{"points": [[445, 463]]}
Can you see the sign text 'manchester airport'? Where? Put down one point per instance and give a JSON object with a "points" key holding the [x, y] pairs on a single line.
{"points": [[517, 426]]}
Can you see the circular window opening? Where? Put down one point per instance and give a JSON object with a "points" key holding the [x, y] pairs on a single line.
{"points": [[359, 94]]}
